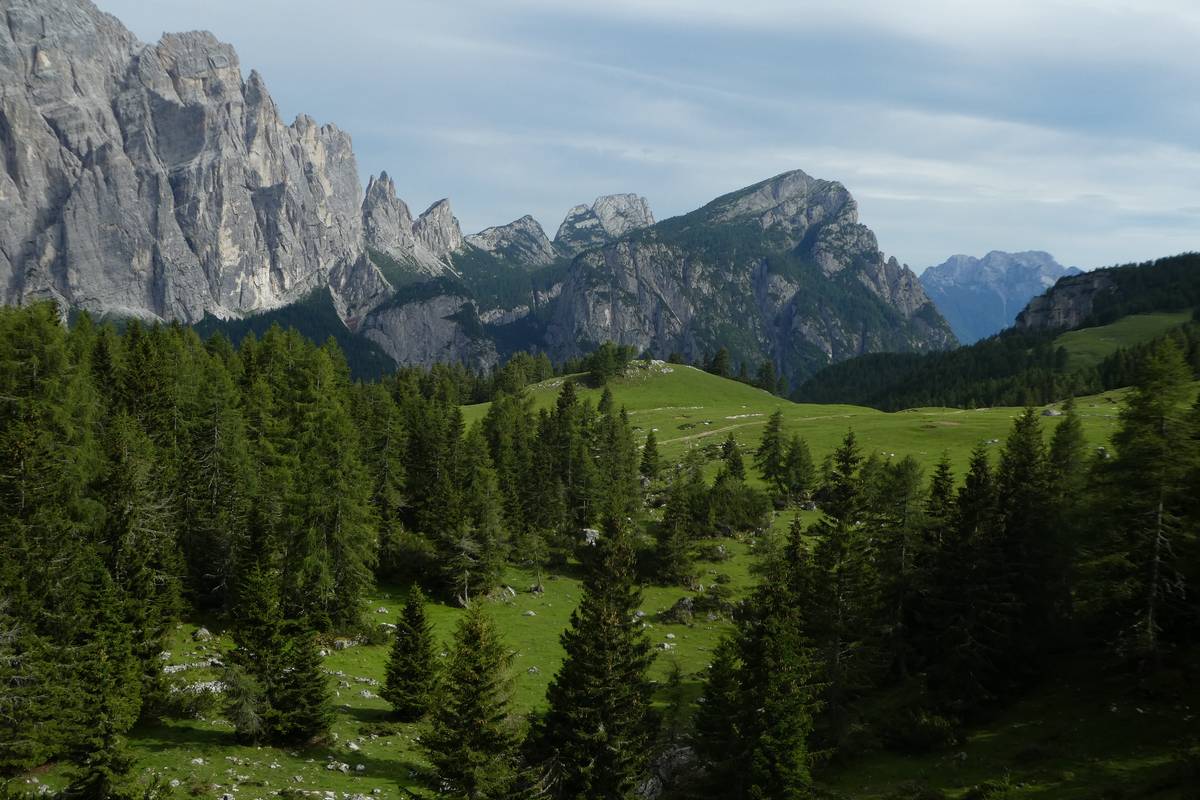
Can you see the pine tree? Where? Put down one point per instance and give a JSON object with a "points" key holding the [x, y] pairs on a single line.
{"points": [[1140, 572], [411, 676], [471, 743], [107, 678], [731, 454], [799, 472], [770, 457], [649, 465], [597, 731], [718, 719], [333, 546], [300, 698], [257, 659]]}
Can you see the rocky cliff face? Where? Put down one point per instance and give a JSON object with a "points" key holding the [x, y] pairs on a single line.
{"points": [[152, 180], [1068, 303], [782, 270], [522, 242], [982, 296], [388, 228], [432, 327], [438, 231], [609, 218]]}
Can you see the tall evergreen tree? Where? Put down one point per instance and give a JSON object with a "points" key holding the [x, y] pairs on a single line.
{"points": [[411, 676], [1139, 572], [333, 546], [649, 465], [471, 743], [597, 731], [770, 457]]}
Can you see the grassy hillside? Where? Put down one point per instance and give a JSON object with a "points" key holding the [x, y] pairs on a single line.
{"points": [[686, 406], [1089, 346], [1058, 743]]}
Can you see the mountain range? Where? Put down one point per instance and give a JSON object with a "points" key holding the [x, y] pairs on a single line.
{"points": [[155, 181], [980, 297]]}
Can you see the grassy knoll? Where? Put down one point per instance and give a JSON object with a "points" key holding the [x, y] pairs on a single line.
{"points": [[1089, 346]]}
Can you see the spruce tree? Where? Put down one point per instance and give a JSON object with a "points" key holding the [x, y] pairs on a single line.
{"points": [[649, 464], [411, 676], [770, 457], [597, 731], [300, 698], [1138, 576], [471, 743], [799, 472], [731, 454], [332, 548]]}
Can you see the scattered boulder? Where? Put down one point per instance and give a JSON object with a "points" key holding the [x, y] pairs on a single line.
{"points": [[202, 635], [381, 610], [681, 613], [530, 613]]}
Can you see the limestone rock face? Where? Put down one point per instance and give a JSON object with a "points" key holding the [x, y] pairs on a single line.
{"points": [[438, 231], [982, 296], [388, 228], [1068, 303], [786, 281], [522, 241], [609, 218], [442, 328], [152, 180]]}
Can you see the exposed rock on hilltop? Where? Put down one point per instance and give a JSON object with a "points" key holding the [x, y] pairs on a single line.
{"points": [[1069, 303], [982, 296], [151, 180], [522, 241], [609, 218]]}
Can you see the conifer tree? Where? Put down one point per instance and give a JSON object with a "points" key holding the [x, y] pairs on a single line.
{"points": [[649, 464], [106, 676], [770, 457], [799, 472], [597, 731], [471, 743], [333, 546], [411, 676], [257, 659], [1139, 577], [731, 454], [718, 719], [300, 698]]}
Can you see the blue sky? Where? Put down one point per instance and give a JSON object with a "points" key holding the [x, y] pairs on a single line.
{"points": [[960, 127]]}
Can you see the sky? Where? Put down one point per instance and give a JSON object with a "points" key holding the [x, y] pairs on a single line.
{"points": [[960, 126]]}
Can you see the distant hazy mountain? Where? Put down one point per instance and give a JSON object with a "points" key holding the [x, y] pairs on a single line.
{"points": [[982, 296]]}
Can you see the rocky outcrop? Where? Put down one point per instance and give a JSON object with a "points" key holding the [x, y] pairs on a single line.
{"points": [[388, 228], [982, 296], [152, 180], [522, 242], [781, 270], [433, 327], [438, 231], [606, 220], [1069, 303]]}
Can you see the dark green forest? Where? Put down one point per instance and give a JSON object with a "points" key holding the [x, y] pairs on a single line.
{"points": [[147, 475]]}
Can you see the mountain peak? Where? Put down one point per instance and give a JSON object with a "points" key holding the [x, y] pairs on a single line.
{"points": [[521, 240], [982, 296], [437, 228], [610, 217]]}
